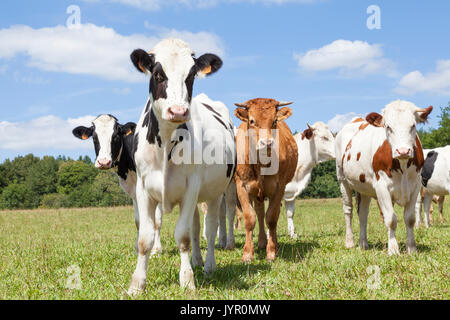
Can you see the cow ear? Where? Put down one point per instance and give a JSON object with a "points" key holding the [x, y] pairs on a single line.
{"points": [[307, 133], [208, 64], [83, 133], [142, 60], [241, 113], [375, 119], [422, 114], [284, 113], [128, 128]]}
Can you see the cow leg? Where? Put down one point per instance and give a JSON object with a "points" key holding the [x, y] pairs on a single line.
{"points": [[196, 257], [249, 222], [230, 201], [390, 219], [290, 210], [418, 210], [238, 224], [348, 208], [363, 213], [260, 213], [273, 213], [146, 208], [214, 208], [183, 233], [222, 225], [410, 219], [204, 208], [426, 207], [381, 213], [157, 248], [441, 208], [136, 221]]}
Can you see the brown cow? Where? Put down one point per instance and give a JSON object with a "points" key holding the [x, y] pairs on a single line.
{"points": [[263, 132]]}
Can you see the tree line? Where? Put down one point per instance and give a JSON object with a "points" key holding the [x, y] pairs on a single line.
{"points": [[28, 182]]}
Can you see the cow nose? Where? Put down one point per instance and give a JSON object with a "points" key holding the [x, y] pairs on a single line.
{"points": [[104, 163], [266, 143], [178, 113], [403, 153]]}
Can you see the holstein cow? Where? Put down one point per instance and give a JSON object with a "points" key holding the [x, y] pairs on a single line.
{"points": [[382, 158], [267, 158], [436, 181], [184, 154], [315, 145], [113, 144]]}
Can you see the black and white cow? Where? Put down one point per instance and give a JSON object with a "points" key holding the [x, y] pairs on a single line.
{"points": [[114, 145], [184, 154], [435, 180]]}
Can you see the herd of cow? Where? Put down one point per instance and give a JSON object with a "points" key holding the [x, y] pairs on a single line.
{"points": [[185, 150]]}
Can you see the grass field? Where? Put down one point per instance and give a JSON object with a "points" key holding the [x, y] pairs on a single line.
{"points": [[37, 248]]}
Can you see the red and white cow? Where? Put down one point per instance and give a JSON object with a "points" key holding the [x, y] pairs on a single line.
{"points": [[185, 153], [315, 145], [382, 158]]}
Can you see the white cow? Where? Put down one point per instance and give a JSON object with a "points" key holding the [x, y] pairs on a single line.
{"points": [[382, 159], [184, 154], [436, 181], [315, 145]]}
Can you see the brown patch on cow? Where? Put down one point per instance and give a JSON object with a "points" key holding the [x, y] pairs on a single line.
{"points": [[349, 145], [185, 243], [142, 248], [418, 159], [348, 157], [363, 126], [362, 177], [342, 162], [358, 155], [396, 165], [374, 119], [382, 160], [308, 133], [410, 161], [358, 120]]}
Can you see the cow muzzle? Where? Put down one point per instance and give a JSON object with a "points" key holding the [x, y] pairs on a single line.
{"points": [[266, 143], [103, 164], [403, 153], [178, 114]]}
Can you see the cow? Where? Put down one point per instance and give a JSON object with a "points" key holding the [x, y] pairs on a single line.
{"points": [[267, 158], [435, 180], [175, 139], [315, 145], [113, 145], [382, 158]]}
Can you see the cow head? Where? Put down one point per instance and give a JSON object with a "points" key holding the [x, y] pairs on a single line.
{"points": [[399, 119], [173, 67], [322, 141], [107, 135], [262, 116]]}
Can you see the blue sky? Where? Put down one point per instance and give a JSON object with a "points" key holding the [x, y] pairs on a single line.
{"points": [[318, 53]]}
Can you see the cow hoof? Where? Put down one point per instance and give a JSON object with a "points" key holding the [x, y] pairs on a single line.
{"points": [[230, 246], [222, 244], [156, 252], [393, 250], [247, 258], [197, 260], [293, 236], [349, 244], [137, 286], [210, 267], [187, 279], [411, 249], [364, 245], [271, 257]]}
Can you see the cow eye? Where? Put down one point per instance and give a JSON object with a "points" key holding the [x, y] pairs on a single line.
{"points": [[252, 122], [325, 138], [274, 123], [413, 127], [389, 129], [159, 77]]}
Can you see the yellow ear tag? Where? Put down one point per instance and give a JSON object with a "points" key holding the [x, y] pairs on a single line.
{"points": [[206, 70], [84, 136], [129, 132]]}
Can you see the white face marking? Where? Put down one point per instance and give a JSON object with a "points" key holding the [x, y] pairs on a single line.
{"points": [[400, 125], [175, 57], [104, 128]]}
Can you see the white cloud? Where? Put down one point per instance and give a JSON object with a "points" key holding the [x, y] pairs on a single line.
{"points": [[154, 5], [349, 57], [340, 120], [90, 49], [44, 133], [433, 82]]}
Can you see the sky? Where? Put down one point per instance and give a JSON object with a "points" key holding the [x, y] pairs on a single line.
{"points": [[335, 59]]}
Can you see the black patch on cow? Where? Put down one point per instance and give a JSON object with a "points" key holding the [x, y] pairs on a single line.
{"points": [[135, 144], [126, 162], [151, 123], [148, 105], [221, 122], [178, 140], [190, 82], [141, 58], [158, 83], [428, 167], [211, 109], [229, 169]]}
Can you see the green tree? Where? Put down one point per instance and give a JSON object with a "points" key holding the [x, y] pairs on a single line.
{"points": [[73, 174], [107, 190], [439, 137], [323, 182], [16, 196]]}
